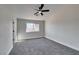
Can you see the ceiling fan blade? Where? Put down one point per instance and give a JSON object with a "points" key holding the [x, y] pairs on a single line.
{"points": [[42, 5], [42, 14], [36, 13], [45, 10]]}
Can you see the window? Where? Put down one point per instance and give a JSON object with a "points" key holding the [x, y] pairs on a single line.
{"points": [[32, 27]]}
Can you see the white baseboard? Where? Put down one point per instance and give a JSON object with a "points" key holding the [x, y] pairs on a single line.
{"points": [[9, 50], [29, 39], [62, 43]]}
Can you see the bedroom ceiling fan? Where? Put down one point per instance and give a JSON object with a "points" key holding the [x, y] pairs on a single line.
{"points": [[40, 10]]}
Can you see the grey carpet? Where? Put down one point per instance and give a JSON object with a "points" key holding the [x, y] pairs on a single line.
{"points": [[41, 46]]}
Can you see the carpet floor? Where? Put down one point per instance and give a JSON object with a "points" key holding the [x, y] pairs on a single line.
{"points": [[41, 46]]}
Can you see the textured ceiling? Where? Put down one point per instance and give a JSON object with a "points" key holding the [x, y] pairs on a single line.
{"points": [[27, 11]]}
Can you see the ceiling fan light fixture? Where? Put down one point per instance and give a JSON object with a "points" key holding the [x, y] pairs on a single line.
{"points": [[40, 12]]}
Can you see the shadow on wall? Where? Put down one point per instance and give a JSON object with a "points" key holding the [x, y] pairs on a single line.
{"points": [[63, 27], [21, 29]]}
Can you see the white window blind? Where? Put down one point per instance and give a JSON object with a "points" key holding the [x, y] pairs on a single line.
{"points": [[32, 27]]}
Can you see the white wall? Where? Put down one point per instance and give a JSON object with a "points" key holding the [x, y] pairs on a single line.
{"points": [[63, 27], [6, 43], [21, 29]]}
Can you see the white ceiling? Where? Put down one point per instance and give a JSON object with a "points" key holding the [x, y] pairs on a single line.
{"points": [[27, 11]]}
